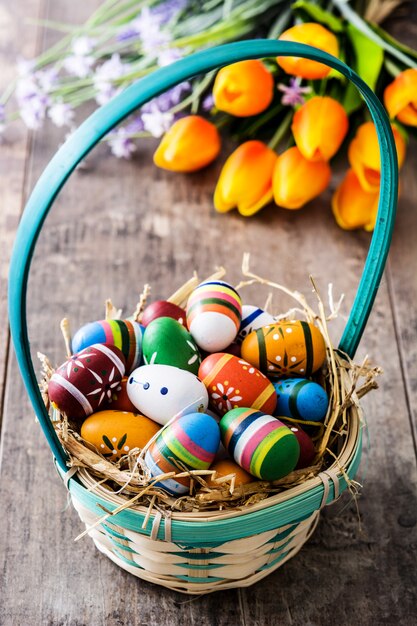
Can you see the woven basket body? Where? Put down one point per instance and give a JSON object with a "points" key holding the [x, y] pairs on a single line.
{"points": [[202, 552]]}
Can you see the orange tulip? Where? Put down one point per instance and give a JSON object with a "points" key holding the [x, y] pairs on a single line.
{"points": [[246, 179], [400, 97], [314, 35], [319, 127], [364, 155], [190, 144], [243, 88], [352, 206], [297, 180]]}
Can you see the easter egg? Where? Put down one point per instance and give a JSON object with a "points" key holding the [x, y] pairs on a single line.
{"points": [[253, 318], [167, 342], [124, 334], [119, 400], [285, 349], [225, 467], [213, 315], [163, 308], [81, 384], [190, 441], [307, 449], [300, 399], [259, 443], [114, 433], [163, 391], [232, 382]]}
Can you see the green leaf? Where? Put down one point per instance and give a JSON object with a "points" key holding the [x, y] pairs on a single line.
{"points": [[308, 10], [351, 99], [369, 56]]}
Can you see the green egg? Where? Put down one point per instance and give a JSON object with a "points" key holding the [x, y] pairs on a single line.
{"points": [[167, 342]]}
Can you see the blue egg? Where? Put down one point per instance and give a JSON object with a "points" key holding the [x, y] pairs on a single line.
{"points": [[253, 318], [300, 398]]}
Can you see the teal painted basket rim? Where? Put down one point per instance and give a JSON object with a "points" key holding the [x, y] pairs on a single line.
{"points": [[108, 116]]}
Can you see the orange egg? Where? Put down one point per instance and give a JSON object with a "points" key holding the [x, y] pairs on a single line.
{"points": [[226, 467], [285, 349], [114, 433]]}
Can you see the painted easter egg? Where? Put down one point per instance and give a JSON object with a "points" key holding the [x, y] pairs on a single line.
{"points": [[232, 382], [253, 318], [285, 349], [259, 443], [167, 342], [226, 467], [80, 385], [163, 308], [190, 441], [300, 398], [114, 433], [213, 315], [163, 391], [119, 400], [307, 449], [124, 334]]}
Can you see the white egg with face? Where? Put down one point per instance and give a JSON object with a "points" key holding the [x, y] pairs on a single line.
{"points": [[163, 391]]}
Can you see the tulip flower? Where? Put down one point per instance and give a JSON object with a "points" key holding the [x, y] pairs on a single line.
{"points": [[314, 35], [244, 88], [319, 127], [190, 144], [400, 97], [364, 157], [246, 179], [352, 206], [296, 180]]}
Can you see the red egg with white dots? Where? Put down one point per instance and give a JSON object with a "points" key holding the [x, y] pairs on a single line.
{"points": [[232, 382]]}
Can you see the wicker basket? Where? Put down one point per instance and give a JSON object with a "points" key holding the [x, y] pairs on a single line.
{"points": [[202, 552]]}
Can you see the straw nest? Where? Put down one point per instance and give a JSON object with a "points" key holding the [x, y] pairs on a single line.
{"points": [[127, 482]]}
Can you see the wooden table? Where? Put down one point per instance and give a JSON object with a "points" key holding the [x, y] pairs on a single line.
{"points": [[120, 224]]}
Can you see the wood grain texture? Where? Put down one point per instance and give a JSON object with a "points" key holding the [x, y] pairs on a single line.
{"points": [[121, 224]]}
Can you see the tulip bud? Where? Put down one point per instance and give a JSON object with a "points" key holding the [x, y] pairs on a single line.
{"points": [[319, 127], [244, 88], [314, 35], [364, 155], [190, 144], [400, 97], [246, 179], [296, 180], [352, 206]]}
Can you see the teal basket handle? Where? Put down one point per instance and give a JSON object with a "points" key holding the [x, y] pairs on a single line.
{"points": [[108, 116]]}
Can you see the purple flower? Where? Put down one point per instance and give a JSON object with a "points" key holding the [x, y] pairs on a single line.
{"points": [[165, 11], [147, 26], [208, 103], [293, 93], [25, 66], [121, 144], [83, 46], [157, 122], [168, 56], [32, 102], [134, 126], [61, 114], [2, 118], [104, 77], [168, 99], [47, 79], [79, 66]]}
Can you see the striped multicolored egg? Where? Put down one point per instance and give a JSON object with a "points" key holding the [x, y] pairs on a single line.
{"points": [[162, 392], [163, 308], [190, 442], [301, 398], [307, 449], [119, 400], [214, 312], [167, 342], [259, 443], [114, 433], [232, 382], [81, 384], [124, 334], [253, 318], [286, 348]]}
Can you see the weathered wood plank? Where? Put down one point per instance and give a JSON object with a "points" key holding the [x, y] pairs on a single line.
{"points": [[18, 38]]}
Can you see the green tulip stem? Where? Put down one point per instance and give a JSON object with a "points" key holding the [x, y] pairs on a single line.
{"points": [[281, 131]]}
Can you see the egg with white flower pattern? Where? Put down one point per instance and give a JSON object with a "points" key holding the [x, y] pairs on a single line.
{"points": [[232, 382]]}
